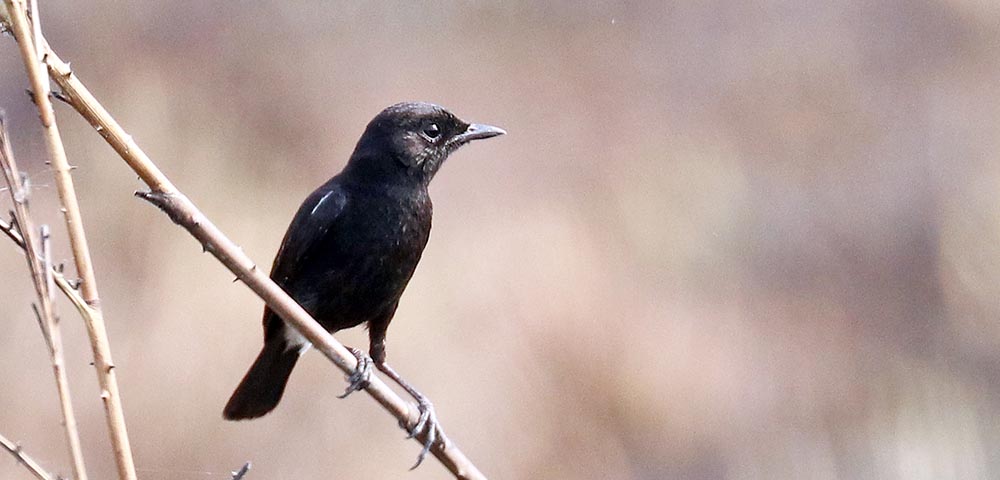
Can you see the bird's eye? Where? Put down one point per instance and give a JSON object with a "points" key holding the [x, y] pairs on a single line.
{"points": [[432, 131]]}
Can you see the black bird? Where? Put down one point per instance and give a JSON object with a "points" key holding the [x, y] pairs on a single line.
{"points": [[352, 248]]}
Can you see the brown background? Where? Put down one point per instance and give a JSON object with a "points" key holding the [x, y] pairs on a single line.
{"points": [[740, 240]]}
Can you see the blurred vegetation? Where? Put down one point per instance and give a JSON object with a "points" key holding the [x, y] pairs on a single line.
{"points": [[741, 240]]}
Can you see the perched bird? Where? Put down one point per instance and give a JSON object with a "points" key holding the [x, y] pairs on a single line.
{"points": [[352, 247]]}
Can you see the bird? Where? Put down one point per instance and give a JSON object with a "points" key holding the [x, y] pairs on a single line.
{"points": [[351, 249]]}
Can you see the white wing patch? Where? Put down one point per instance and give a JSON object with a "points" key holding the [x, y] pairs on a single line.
{"points": [[320, 202]]}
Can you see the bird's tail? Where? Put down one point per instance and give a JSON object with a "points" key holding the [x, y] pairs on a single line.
{"points": [[262, 386]]}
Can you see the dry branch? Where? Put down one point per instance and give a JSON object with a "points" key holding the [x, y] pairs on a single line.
{"points": [[183, 212], [64, 285], [39, 265], [106, 375], [23, 458]]}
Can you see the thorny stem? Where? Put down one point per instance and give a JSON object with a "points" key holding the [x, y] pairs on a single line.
{"points": [[23, 458], [67, 287], [107, 378], [39, 265]]}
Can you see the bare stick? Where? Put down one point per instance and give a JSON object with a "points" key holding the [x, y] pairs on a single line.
{"points": [[59, 363], [242, 472], [47, 262], [64, 285], [36, 27], [183, 212], [42, 279], [23, 458], [96, 330]]}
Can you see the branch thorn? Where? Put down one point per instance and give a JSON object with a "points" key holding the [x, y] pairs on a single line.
{"points": [[61, 96]]}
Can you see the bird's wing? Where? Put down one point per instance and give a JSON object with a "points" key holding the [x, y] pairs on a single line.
{"points": [[317, 216]]}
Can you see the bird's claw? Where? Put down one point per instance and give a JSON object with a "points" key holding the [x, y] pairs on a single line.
{"points": [[358, 379], [427, 422]]}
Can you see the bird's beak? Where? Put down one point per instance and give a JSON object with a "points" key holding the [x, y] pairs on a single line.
{"points": [[477, 131]]}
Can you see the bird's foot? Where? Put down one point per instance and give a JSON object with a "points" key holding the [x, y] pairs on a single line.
{"points": [[427, 423], [358, 379]]}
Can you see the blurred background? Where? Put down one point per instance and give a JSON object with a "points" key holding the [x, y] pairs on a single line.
{"points": [[722, 240]]}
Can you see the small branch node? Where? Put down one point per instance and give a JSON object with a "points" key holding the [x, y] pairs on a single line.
{"points": [[47, 263], [23, 459], [163, 201], [21, 194]]}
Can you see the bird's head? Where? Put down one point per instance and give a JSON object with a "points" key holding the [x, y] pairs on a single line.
{"points": [[412, 140]]}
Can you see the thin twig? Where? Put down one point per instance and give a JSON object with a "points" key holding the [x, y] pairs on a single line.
{"points": [[43, 326], [59, 362], [65, 285], [47, 262], [42, 280], [107, 378], [239, 474], [23, 458], [36, 27], [180, 209]]}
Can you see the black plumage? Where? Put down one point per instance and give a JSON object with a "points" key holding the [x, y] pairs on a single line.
{"points": [[354, 244]]}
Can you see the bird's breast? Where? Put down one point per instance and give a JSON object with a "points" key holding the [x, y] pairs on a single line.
{"points": [[378, 250]]}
